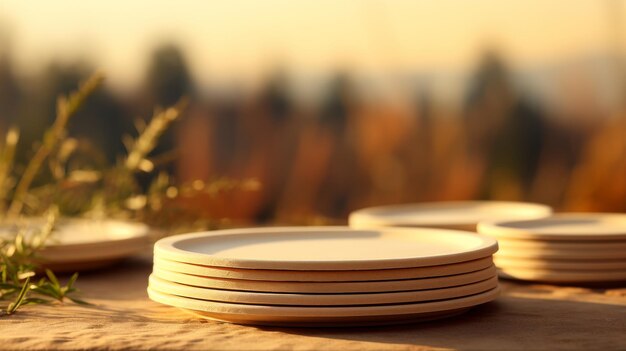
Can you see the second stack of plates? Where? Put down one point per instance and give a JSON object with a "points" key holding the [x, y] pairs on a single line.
{"points": [[564, 248], [324, 276]]}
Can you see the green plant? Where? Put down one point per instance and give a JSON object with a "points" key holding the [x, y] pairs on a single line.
{"points": [[82, 190], [18, 251], [66, 108], [18, 255]]}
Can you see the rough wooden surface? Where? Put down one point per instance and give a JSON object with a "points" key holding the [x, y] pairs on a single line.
{"points": [[529, 317]]}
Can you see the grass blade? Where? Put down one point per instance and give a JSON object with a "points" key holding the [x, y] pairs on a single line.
{"points": [[20, 298]]}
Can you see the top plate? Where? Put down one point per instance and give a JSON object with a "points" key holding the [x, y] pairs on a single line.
{"points": [[325, 248], [570, 226], [453, 215]]}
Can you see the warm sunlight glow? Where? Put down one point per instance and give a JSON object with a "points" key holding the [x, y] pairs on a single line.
{"points": [[242, 39]]}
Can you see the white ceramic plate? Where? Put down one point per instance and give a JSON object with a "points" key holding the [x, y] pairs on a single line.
{"points": [[584, 255], [562, 276], [321, 299], [325, 248], [326, 287], [324, 276], [452, 215], [86, 242], [567, 227], [561, 245], [285, 314], [589, 265]]}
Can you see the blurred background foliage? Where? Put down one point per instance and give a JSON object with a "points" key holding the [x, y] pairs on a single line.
{"points": [[343, 148]]}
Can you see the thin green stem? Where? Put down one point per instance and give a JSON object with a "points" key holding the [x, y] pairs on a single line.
{"points": [[66, 108]]}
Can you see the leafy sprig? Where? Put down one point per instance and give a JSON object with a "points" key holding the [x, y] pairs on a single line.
{"points": [[106, 191], [19, 250], [18, 255], [138, 149], [66, 108]]}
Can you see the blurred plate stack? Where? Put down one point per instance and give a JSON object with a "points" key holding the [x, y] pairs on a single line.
{"points": [[563, 248], [462, 215], [324, 276]]}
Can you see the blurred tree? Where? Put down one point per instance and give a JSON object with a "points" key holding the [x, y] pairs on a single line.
{"points": [[504, 129], [422, 149], [337, 104], [342, 173], [274, 98], [167, 79], [226, 136], [100, 123], [274, 133], [10, 91]]}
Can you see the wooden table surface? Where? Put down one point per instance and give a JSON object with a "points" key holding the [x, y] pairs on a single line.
{"points": [[528, 317]]}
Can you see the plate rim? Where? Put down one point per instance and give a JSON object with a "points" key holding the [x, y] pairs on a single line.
{"points": [[165, 248], [364, 217], [562, 276], [98, 250], [498, 229], [356, 311], [554, 264], [142, 230], [562, 255], [323, 276], [328, 287], [304, 299], [562, 245]]}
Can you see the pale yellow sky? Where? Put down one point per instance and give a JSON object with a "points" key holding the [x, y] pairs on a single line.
{"points": [[240, 39]]}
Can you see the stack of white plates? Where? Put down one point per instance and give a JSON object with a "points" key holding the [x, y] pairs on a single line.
{"points": [[83, 244], [324, 276], [463, 215], [564, 248]]}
